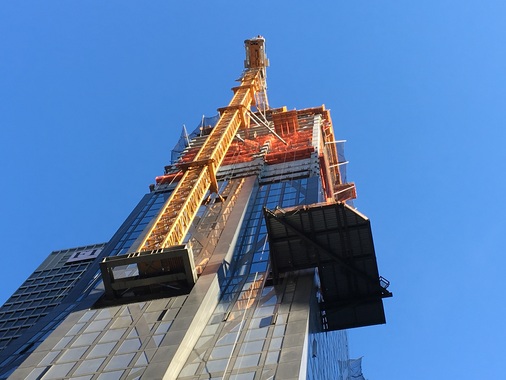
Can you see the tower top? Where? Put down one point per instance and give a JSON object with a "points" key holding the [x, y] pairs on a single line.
{"points": [[255, 53]]}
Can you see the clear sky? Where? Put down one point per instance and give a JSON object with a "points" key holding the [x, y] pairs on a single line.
{"points": [[93, 95]]}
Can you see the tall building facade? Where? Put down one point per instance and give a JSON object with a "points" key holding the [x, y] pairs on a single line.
{"points": [[44, 290], [245, 261]]}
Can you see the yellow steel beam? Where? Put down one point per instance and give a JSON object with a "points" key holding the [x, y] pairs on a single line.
{"points": [[175, 218]]}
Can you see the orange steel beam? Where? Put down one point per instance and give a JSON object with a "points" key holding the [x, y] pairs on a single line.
{"points": [[175, 218]]}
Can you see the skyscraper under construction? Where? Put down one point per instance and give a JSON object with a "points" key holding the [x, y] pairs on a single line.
{"points": [[246, 260]]}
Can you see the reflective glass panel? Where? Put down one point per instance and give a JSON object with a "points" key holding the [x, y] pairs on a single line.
{"points": [[58, 371], [101, 350], [247, 361], [85, 339], [89, 366], [119, 362], [130, 345], [72, 355]]}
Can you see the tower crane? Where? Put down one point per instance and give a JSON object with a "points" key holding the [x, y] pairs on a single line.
{"points": [[175, 218]]}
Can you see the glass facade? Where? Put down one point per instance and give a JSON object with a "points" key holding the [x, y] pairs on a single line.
{"points": [[238, 322], [42, 292], [108, 343], [244, 336], [247, 336], [59, 285]]}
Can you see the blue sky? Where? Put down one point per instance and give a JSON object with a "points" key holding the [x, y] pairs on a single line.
{"points": [[94, 94]]}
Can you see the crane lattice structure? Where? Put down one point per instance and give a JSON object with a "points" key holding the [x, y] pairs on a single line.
{"points": [[166, 235]]}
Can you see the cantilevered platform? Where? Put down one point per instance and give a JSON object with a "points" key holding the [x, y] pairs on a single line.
{"points": [[148, 271], [337, 240]]}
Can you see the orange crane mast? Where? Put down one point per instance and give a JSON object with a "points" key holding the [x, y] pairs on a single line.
{"points": [[173, 222], [161, 256]]}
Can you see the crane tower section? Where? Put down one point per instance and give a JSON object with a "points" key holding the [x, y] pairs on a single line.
{"points": [[256, 58], [199, 175]]}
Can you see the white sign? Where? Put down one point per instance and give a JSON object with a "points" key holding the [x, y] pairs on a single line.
{"points": [[86, 254]]}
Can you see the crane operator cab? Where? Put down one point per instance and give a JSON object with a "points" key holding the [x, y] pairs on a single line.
{"points": [[255, 53]]}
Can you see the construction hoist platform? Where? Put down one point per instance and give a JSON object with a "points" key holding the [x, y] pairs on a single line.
{"points": [[161, 255]]}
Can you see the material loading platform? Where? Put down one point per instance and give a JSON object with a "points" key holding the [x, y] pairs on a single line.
{"points": [[149, 272], [337, 240]]}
